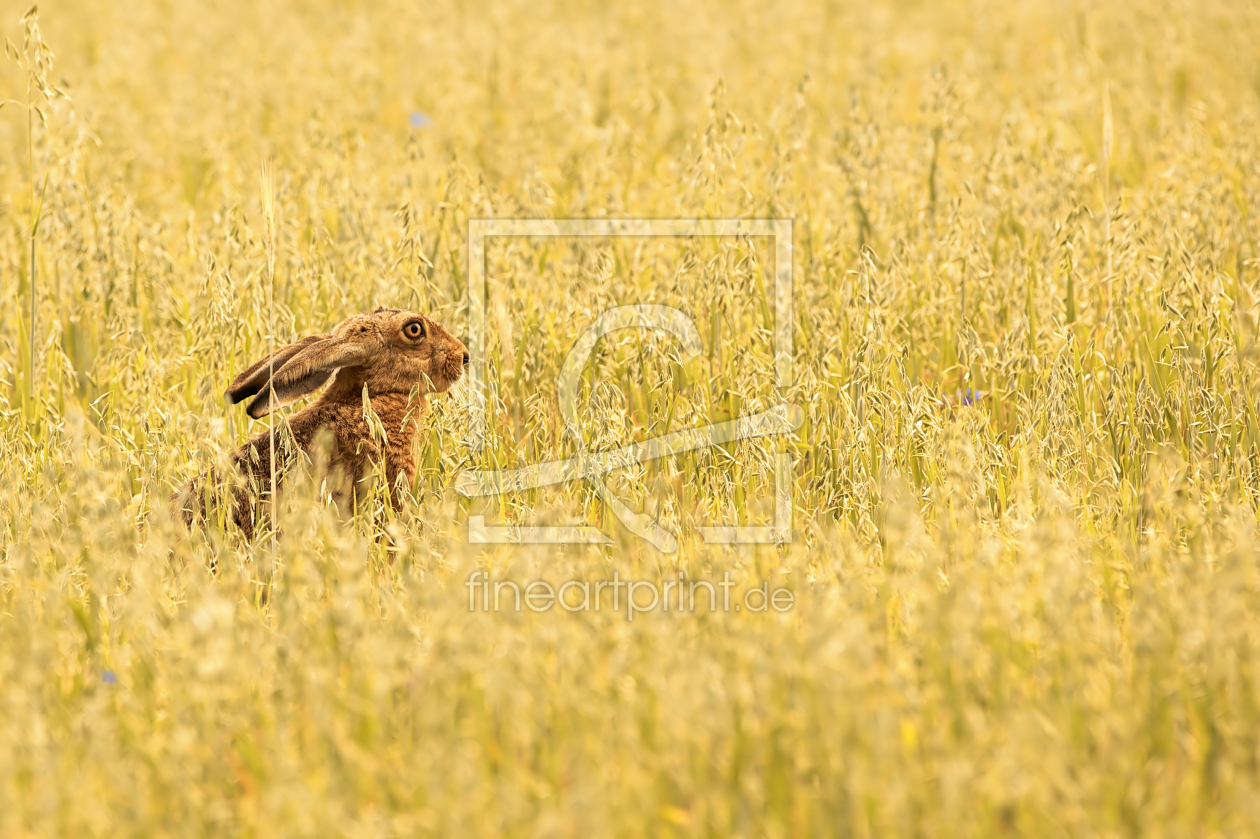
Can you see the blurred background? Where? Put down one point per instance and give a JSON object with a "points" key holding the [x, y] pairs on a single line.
{"points": [[1025, 496]]}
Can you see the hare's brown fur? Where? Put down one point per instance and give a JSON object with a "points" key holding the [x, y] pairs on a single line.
{"points": [[399, 357]]}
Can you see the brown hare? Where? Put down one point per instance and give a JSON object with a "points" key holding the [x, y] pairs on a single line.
{"points": [[398, 357]]}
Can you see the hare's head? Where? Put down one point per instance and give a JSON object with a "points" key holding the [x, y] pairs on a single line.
{"points": [[388, 351]]}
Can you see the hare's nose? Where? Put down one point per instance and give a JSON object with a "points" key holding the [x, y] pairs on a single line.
{"points": [[466, 359]]}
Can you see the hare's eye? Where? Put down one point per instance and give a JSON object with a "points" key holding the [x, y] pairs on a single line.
{"points": [[414, 330]]}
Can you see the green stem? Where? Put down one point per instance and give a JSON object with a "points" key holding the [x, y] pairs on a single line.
{"points": [[31, 375], [30, 166]]}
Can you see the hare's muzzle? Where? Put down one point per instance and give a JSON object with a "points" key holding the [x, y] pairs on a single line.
{"points": [[456, 360]]}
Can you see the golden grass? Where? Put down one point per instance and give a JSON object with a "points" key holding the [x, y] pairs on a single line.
{"points": [[1034, 614]]}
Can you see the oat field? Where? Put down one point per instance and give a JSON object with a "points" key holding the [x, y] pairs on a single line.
{"points": [[1024, 565]]}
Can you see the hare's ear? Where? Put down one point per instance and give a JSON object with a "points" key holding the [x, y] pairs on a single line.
{"points": [[255, 378], [306, 371]]}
